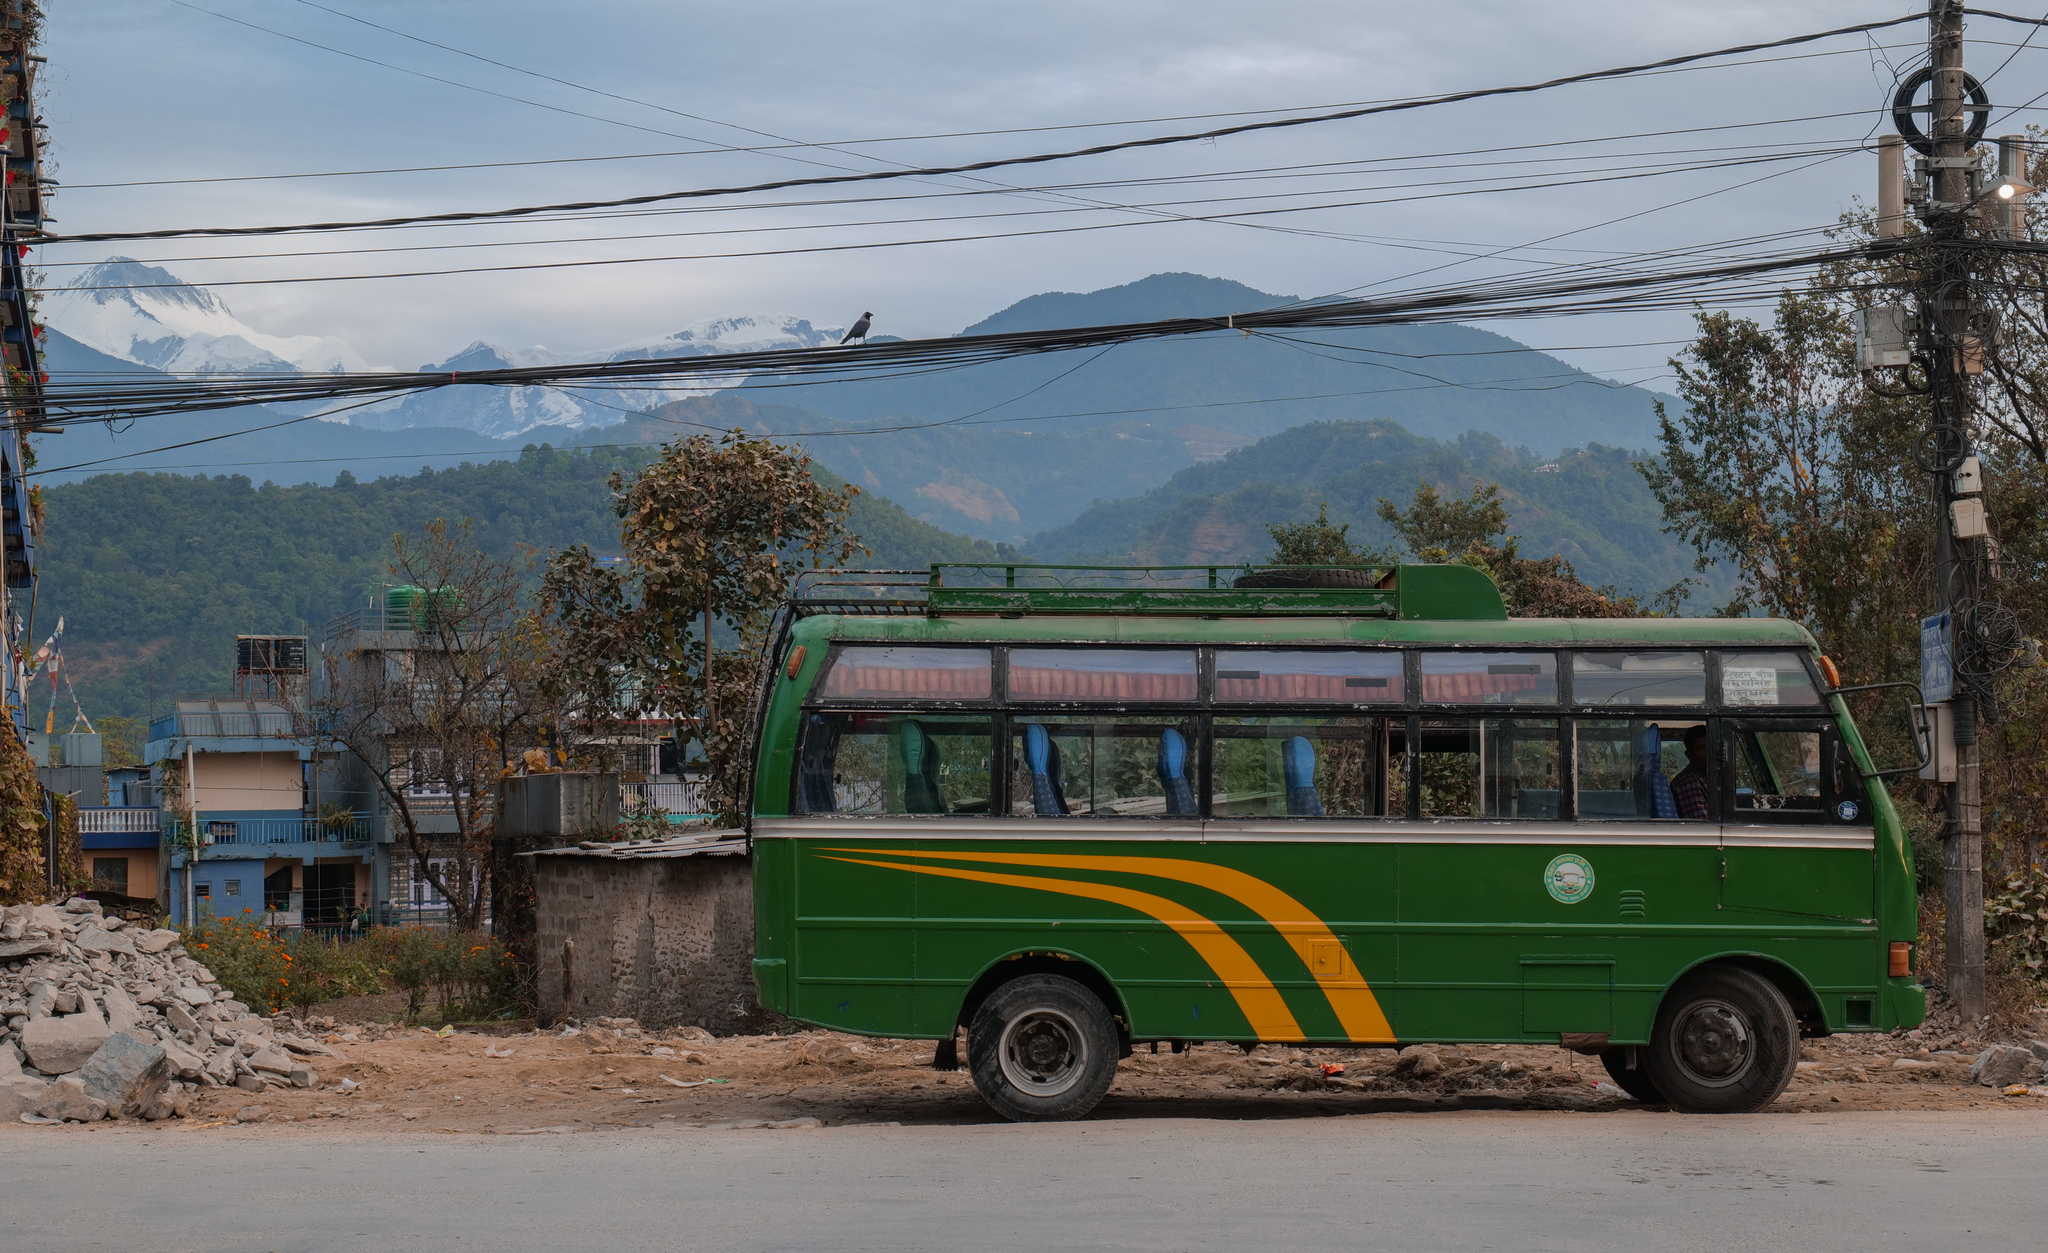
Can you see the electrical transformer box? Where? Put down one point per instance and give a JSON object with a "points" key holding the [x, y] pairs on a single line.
{"points": [[1884, 337]]}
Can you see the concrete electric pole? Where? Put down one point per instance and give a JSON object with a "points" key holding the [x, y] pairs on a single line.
{"points": [[1948, 306]]}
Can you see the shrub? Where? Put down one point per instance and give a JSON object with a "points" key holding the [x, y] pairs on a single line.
{"points": [[245, 957], [470, 973]]}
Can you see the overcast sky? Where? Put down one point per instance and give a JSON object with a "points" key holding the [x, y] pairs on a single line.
{"points": [[144, 90]]}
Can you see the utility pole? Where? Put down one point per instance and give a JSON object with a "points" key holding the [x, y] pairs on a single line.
{"points": [[1946, 312]]}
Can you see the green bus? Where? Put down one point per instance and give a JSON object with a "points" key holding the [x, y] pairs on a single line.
{"points": [[1069, 815]]}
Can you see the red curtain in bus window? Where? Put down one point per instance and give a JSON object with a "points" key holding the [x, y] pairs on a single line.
{"points": [[909, 674], [1327, 676], [1489, 678], [1102, 674]]}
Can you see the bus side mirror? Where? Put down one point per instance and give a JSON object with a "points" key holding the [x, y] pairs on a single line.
{"points": [[1920, 724]]}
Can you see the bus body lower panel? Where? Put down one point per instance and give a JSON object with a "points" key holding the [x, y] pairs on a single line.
{"points": [[1370, 939]]}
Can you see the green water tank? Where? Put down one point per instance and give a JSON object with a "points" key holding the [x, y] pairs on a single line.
{"points": [[399, 606]]}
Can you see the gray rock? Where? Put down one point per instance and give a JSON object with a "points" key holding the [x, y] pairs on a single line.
{"points": [[181, 1019], [10, 1063], [67, 1099], [250, 1083], [126, 1073], [1417, 1062], [30, 946], [58, 1046], [2001, 1064], [84, 905], [64, 1003], [304, 1076], [194, 997], [155, 941], [2038, 1048], [272, 1060], [252, 1113], [122, 1011], [100, 940], [14, 1103], [42, 1002], [219, 1069]]}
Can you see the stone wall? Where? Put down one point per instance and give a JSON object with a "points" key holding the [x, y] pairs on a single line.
{"points": [[665, 940]]}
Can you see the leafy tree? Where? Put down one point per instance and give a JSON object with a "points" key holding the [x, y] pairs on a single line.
{"points": [[1320, 543], [713, 533], [1465, 529]]}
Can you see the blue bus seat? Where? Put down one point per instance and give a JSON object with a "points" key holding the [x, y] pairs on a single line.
{"points": [[1173, 774], [1298, 766]]}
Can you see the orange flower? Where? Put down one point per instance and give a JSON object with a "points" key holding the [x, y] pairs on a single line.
{"points": [[202, 946]]}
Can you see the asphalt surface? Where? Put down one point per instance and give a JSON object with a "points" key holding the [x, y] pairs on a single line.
{"points": [[1451, 1181]]}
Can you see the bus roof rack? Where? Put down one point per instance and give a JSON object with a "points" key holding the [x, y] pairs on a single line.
{"points": [[1016, 589]]}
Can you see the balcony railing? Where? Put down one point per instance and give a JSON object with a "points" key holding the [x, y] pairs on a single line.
{"points": [[119, 820], [354, 829], [684, 798], [238, 724]]}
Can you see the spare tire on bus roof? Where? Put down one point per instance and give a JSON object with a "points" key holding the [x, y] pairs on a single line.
{"points": [[1309, 577]]}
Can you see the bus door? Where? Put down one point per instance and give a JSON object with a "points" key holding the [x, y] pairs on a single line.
{"points": [[1796, 837]]}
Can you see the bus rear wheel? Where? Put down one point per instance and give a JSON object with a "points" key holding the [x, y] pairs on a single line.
{"points": [[1042, 1048], [1726, 1042]]}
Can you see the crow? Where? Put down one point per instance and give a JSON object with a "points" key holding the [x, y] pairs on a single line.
{"points": [[859, 330]]}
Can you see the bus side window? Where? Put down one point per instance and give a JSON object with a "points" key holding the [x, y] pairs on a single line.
{"points": [[1488, 768], [862, 764], [1299, 767], [1775, 771], [1642, 769], [1103, 765]]}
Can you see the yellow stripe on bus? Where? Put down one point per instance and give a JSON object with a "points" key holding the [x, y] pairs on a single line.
{"points": [[1351, 998], [1261, 1002]]}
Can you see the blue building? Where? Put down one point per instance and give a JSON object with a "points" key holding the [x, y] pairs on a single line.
{"points": [[252, 819]]}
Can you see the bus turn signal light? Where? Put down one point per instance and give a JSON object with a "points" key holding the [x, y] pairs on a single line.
{"points": [[1828, 671], [1902, 960], [796, 661]]}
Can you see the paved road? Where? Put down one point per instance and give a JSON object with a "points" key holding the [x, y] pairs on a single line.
{"points": [[1464, 1182]]}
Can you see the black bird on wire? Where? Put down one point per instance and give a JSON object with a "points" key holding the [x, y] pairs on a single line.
{"points": [[859, 330]]}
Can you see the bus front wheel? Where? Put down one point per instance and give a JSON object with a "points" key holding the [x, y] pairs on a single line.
{"points": [[1726, 1042], [1042, 1048]]}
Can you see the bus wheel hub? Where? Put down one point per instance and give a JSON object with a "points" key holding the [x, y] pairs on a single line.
{"points": [[1714, 1042], [1043, 1052]]}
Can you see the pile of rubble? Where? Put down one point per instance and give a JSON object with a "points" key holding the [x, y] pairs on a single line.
{"points": [[102, 1019]]}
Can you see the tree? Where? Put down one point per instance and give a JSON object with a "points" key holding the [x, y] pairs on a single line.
{"points": [[432, 709], [713, 533], [1319, 543], [1465, 529]]}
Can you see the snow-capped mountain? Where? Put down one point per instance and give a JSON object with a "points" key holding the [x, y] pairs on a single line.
{"points": [[499, 411], [143, 314], [140, 313]]}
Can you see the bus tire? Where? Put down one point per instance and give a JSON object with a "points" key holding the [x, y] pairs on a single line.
{"points": [[1726, 1042], [1042, 1048], [1633, 1080]]}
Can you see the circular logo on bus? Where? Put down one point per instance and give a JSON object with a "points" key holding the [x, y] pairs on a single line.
{"points": [[1569, 878]]}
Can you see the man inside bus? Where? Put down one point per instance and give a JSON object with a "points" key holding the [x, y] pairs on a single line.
{"points": [[1689, 786]]}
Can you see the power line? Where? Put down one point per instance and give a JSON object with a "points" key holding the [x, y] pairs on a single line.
{"points": [[992, 164]]}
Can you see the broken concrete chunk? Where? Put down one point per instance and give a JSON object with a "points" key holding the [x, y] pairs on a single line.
{"points": [[181, 1019], [100, 940], [126, 1074], [183, 1063], [252, 1113], [272, 1060], [42, 1002], [155, 941], [64, 1003], [2002, 1064], [33, 946], [122, 1012], [68, 1100], [58, 1046], [194, 997], [304, 1076]]}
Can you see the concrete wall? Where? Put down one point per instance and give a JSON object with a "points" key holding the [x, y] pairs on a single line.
{"points": [[248, 781], [669, 941]]}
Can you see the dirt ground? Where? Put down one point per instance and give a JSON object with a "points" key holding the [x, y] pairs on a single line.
{"points": [[519, 1081]]}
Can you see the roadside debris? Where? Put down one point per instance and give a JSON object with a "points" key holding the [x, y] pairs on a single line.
{"points": [[104, 1019]]}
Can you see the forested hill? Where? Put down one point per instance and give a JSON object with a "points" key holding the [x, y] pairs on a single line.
{"points": [[1590, 504], [155, 574]]}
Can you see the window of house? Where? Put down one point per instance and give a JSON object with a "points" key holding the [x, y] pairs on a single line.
{"points": [[1324, 676], [895, 763], [232, 887], [1642, 768], [1298, 768], [891, 674], [110, 874], [1661, 678], [202, 890], [1488, 768], [1461, 678], [1102, 674], [1107, 766]]}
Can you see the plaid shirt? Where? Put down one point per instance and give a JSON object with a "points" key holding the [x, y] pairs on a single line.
{"points": [[1689, 789]]}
